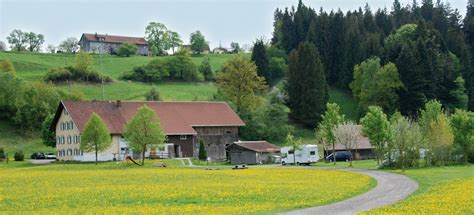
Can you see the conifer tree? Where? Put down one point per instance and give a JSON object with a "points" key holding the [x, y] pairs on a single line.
{"points": [[260, 58], [306, 87]]}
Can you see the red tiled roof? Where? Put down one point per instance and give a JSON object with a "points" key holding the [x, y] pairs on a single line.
{"points": [[176, 117], [363, 142], [258, 146], [116, 39]]}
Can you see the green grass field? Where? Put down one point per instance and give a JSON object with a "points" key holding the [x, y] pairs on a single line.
{"points": [[33, 66]]}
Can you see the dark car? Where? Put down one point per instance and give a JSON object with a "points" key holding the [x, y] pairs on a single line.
{"points": [[38, 155], [340, 156]]}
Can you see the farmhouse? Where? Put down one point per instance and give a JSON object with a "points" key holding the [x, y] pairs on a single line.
{"points": [[363, 150], [251, 152], [100, 43], [185, 124]]}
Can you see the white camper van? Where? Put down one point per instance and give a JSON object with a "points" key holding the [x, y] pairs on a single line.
{"points": [[307, 154]]}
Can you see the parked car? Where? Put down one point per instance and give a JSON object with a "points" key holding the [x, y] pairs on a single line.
{"points": [[340, 156], [38, 155], [50, 156]]}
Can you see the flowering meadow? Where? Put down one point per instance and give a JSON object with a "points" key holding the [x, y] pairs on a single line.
{"points": [[455, 197], [86, 189]]}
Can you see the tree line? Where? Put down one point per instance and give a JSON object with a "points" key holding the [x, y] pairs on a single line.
{"points": [[430, 45]]}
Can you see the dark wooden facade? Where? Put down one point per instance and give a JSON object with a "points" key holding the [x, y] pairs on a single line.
{"points": [[216, 139]]}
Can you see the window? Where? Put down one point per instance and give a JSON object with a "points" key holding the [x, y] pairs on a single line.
{"points": [[290, 152], [69, 139], [62, 140], [183, 137], [61, 126], [62, 153], [58, 140], [72, 125], [312, 153]]}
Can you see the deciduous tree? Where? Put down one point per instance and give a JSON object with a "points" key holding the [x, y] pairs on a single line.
{"points": [[96, 136], [70, 45], [18, 40], [198, 42], [127, 49], [331, 118], [376, 127], [239, 83], [158, 37], [462, 123], [144, 130], [347, 134], [48, 136]]}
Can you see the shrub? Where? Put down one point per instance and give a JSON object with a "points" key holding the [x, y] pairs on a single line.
{"points": [[127, 49], [70, 73], [2, 154], [206, 70], [153, 95], [19, 156], [202, 151]]}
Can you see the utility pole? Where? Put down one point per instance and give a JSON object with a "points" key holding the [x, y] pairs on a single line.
{"points": [[101, 71]]}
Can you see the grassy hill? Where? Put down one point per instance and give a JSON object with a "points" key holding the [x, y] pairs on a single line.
{"points": [[33, 67]]}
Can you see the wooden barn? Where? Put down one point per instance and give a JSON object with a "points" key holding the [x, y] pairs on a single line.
{"points": [[251, 152]]}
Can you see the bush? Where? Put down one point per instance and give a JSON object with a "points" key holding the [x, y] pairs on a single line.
{"points": [[127, 49], [206, 70], [202, 151], [153, 95], [19, 156], [2, 154], [178, 67], [71, 73]]}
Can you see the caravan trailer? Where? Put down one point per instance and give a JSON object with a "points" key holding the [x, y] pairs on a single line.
{"points": [[307, 154]]}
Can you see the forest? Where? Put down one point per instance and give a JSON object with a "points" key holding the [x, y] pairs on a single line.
{"points": [[427, 46]]}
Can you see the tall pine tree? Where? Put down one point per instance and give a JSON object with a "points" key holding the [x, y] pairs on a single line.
{"points": [[306, 87], [260, 58]]}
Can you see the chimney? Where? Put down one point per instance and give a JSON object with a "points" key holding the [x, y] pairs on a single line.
{"points": [[119, 103]]}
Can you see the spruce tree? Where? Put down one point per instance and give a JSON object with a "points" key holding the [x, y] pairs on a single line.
{"points": [[306, 87], [259, 56], [202, 155]]}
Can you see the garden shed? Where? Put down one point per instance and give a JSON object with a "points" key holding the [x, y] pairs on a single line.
{"points": [[251, 152]]}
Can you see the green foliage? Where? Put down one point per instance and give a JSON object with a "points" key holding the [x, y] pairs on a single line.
{"points": [[144, 130], [48, 137], [278, 68], [2, 154], [95, 136], [294, 144], [158, 36], [206, 70], [460, 95], [19, 156], [239, 83], [331, 118], [376, 85], [202, 155], [70, 45], [84, 62], [153, 95], [181, 67], [235, 47], [438, 133], [69, 73], [376, 127], [127, 49], [347, 134], [306, 87], [7, 66], [259, 57], [275, 132], [462, 123], [198, 42], [407, 139]]}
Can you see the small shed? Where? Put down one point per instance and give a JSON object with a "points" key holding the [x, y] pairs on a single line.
{"points": [[251, 152]]}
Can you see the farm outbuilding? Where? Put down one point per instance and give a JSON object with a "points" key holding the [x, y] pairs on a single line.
{"points": [[251, 152], [362, 151]]}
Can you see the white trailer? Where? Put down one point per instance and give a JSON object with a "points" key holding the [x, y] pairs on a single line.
{"points": [[307, 154]]}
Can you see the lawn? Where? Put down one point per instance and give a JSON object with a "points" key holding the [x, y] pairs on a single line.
{"points": [[33, 66], [110, 188]]}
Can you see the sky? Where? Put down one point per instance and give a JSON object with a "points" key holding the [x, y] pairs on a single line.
{"points": [[221, 21]]}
